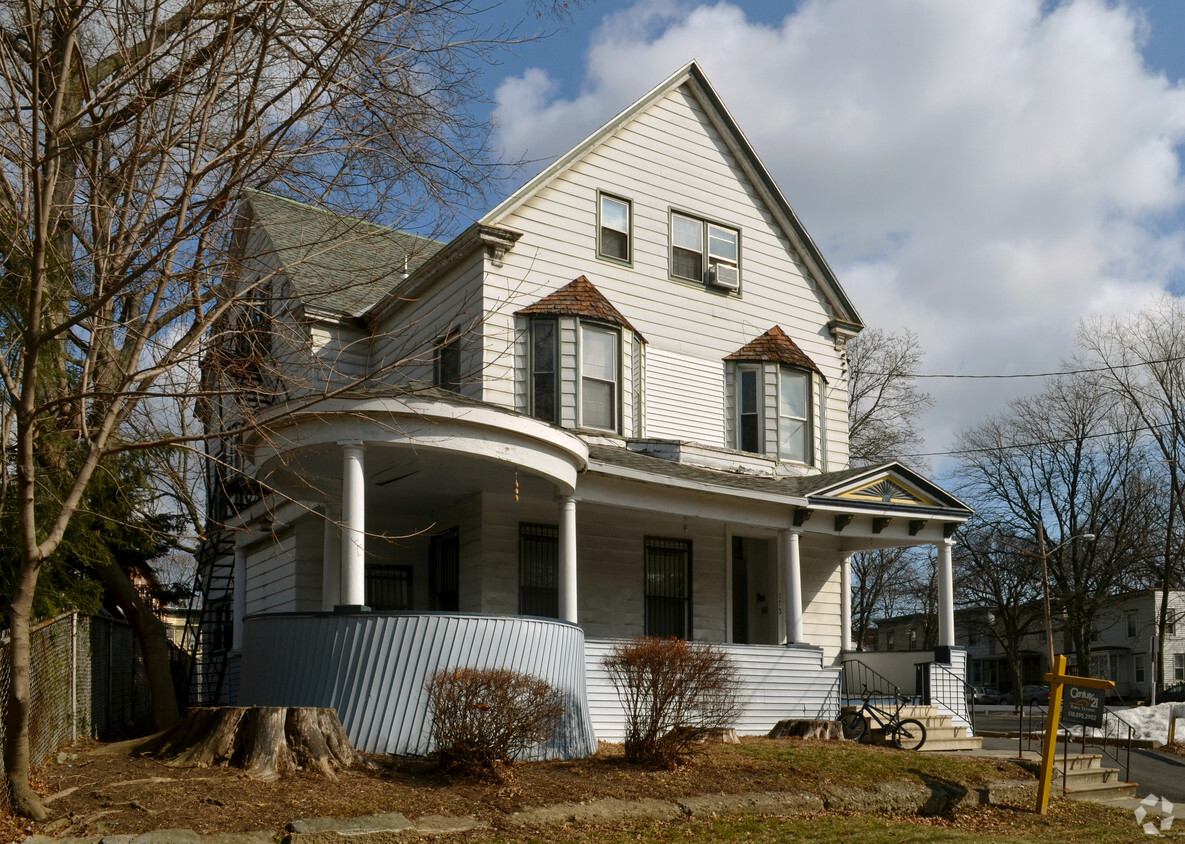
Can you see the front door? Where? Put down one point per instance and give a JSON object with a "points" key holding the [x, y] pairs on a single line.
{"points": [[754, 591]]}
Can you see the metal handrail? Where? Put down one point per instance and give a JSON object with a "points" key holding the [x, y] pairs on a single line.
{"points": [[963, 696], [1120, 737], [861, 676]]}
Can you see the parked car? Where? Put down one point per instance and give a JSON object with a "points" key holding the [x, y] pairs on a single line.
{"points": [[1030, 695], [1172, 694], [985, 694]]}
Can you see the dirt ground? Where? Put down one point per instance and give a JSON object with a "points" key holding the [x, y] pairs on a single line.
{"points": [[107, 789]]}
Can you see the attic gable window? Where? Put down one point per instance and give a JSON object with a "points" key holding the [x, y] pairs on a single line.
{"points": [[698, 245], [615, 216]]}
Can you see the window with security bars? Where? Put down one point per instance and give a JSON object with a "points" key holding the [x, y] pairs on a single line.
{"points": [[388, 587], [538, 570], [668, 587], [444, 569]]}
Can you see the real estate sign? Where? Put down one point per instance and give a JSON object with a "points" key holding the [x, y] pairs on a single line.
{"points": [[1082, 705]]}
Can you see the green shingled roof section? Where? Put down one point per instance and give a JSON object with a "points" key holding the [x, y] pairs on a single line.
{"points": [[337, 264]]}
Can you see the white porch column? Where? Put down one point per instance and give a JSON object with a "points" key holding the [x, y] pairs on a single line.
{"points": [[845, 603], [567, 573], [353, 545], [240, 599], [331, 561], [792, 584], [946, 595]]}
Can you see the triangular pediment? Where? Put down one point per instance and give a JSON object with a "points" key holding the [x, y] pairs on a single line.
{"points": [[888, 490], [891, 486]]}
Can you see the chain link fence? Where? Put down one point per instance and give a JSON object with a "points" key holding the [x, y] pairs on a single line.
{"points": [[87, 680]]}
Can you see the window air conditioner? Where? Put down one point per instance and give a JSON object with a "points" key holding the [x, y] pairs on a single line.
{"points": [[724, 277]]}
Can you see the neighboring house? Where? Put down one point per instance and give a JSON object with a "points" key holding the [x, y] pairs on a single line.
{"points": [[616, 405], [1121, 648]]}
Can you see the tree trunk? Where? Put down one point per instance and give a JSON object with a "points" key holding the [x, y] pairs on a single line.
{"points": [[25, 801], [154, 644], [266, 741]]}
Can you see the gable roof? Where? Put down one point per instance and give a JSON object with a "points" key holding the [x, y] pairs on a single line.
{"points": [[579, 297], [337, 264], [775, 347], [692, 76]]}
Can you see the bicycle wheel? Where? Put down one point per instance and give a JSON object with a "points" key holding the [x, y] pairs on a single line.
{"points": [[853, 724], [909, 734]]}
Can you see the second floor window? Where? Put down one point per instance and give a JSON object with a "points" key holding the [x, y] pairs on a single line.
{"points": [[544, 380], [794, 401], [448, 362], [1131, 624], [749, 409], [600, 377]]}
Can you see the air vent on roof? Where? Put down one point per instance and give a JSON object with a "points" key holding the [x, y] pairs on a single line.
{"points": [[724, 277]]}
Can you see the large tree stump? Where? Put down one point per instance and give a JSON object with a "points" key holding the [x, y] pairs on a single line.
{"points": [[266, 741], [806, 728]]}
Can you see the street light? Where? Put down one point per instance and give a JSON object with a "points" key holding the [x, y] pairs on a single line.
{"points": [[1088, 537]]}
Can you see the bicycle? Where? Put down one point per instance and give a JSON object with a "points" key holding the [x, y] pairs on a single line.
{"points": [[903, 733]]}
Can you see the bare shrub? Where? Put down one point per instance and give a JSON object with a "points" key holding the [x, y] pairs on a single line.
{"points": [[486, 717], [674, 693]]}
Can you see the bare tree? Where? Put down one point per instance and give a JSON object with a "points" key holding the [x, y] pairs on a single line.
{"points": [[997, 577], [129, 130], [1054, 462], [1142, 362], [884, 406], [885, 403]]}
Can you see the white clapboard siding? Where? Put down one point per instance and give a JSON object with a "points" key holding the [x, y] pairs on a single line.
{"points": [[684, 397], [779, 683], [671, 157], [271, 574]]}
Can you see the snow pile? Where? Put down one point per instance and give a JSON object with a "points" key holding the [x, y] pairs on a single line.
{"points": [[1152, 722]]}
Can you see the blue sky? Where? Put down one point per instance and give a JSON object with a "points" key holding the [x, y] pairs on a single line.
{"points": [[985, 174]]}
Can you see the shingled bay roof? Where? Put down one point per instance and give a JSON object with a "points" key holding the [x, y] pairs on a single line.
{"points": [[337, 264], [775, 347], [581, 298]]}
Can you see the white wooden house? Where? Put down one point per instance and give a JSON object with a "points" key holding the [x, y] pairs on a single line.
{"points": [[616, 405]]}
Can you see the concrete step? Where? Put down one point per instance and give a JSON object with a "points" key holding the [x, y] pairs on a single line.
{"points": [[1078, 761], [1087, 776], [944, 733], [1098, 792], [952, 744]]}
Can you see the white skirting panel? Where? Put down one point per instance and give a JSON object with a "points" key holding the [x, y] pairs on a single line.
{"points": [[779, 682], [371, 668]]}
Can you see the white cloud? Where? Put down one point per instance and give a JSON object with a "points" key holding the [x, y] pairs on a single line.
{"points": [[983, 173]]}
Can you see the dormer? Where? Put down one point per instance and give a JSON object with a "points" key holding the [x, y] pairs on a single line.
{"points": [[776, 399], [583, 362]]}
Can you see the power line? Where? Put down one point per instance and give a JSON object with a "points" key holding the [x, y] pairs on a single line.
{"points": [[1037, 443], [1084, 371]]}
